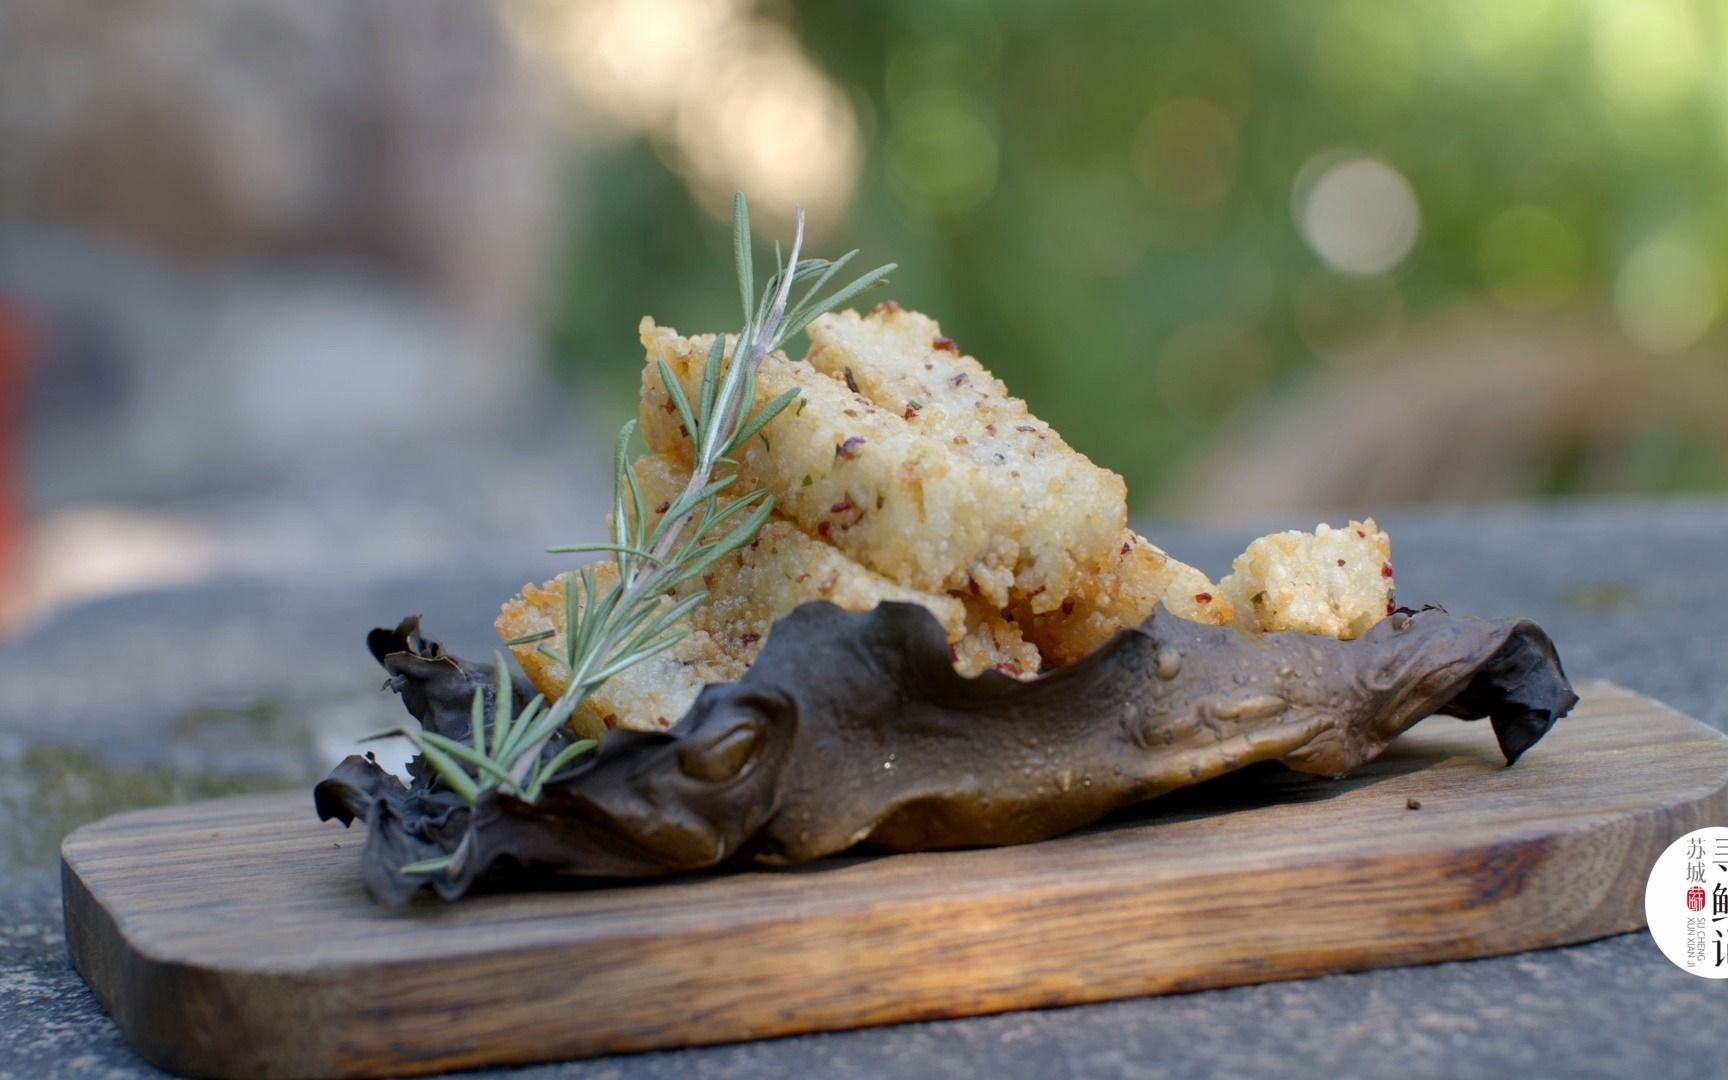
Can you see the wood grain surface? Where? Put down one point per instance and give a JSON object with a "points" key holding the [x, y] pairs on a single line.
{"points": [[232, 937]]}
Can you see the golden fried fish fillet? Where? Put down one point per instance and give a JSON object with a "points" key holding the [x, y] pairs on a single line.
{"points": [[1069, 513], [783, 568], [903, 497], [748, 590]]}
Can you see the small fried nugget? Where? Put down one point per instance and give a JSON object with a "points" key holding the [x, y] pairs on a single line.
{"points": [[1333, 582], [1122, 593], [846, 471], [648, 696], [750, 588], [994, 641], [1071, 513]]}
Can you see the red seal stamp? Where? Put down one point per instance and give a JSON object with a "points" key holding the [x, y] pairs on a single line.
{"points": [[1695, 899]]}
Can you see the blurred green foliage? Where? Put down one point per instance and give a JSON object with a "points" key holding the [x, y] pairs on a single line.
{"points": [[1096, 198]]}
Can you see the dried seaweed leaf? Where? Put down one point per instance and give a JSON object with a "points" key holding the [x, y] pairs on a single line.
{"points": [[856, 727]]}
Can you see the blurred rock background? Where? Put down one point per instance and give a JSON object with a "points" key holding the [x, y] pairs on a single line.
{"points": [[287, 286]]}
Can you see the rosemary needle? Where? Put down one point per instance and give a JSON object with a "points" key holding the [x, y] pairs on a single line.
{"points": [[609, 630]]}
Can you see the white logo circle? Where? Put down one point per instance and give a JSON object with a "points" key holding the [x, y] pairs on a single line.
{"points": [[1686, 902]]}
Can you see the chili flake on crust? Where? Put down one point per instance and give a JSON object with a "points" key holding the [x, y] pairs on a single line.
{"points": [[1332, 582], [1069, 514]]}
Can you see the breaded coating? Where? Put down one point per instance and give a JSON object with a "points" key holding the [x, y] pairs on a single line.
{"points": [[1333, 582], [899, 499], [852, 474], [1070, 513], [648, 696], [751, 588], [1122, 593], [905, 471], [748, 590], [994, 641], [783, 568]]}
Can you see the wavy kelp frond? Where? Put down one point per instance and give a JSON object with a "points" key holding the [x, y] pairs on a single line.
{"points": [[856, 727]]}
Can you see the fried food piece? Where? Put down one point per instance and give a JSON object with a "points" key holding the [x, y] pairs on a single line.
{"points": [[648, 696], [906, 471], [759, 584], [1069, 513], [752, 587], [850, 473], [1122, 593], [895, 497], [748, 590], [994, 641], [1332, 582], [653, 694]]}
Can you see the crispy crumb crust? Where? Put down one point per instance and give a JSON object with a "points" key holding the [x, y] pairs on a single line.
{"points": [[897, 497], [748, 589], [783, 568], [993, 641], [1122, 592], [648, 696], [1069, 513], [1333, 582], [653, 694], [753, 587]]}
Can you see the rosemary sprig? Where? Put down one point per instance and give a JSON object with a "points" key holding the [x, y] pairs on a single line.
{"points": [[609, 630]]}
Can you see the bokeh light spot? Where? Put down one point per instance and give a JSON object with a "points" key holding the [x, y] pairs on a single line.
{"points": [[942, 153], [734, 100], [1530, 259], [773, 125], [1665, 294], [629, 62], [1358, 214], [1647, 53], [1500, 31]]}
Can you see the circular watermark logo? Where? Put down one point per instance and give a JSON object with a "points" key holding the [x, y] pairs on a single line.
{"points": [[1686, 902]]}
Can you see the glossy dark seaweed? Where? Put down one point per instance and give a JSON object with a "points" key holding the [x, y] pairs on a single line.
{"points": [[856, 727]]}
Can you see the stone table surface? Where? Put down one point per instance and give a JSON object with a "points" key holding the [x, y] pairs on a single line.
{"points": [[253, 683]]}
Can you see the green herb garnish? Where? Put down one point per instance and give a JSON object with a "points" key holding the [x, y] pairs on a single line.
{"points": [[611, 630]]}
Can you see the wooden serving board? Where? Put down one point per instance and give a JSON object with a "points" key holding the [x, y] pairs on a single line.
{"points": [[232, 937]]}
